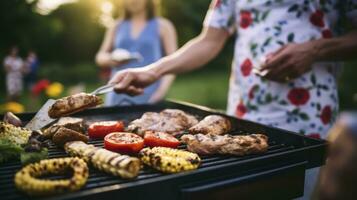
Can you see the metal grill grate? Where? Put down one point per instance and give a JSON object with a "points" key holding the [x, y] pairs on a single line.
{"points": [[280, 142], [99, 179]]}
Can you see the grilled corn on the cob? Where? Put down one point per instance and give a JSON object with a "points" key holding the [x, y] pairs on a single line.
{"points": [[27, 181], [107, 161], [169, 160], [15, 135]]}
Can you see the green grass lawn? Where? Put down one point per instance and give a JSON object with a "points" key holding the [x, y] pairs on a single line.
{"points": [[204, 88]]}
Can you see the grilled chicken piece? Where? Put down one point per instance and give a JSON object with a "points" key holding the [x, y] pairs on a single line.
{"points": [[104, 160], [72, 104], [63, 135], [75, 124], [238, 145], [171, 121], [212, 124]]}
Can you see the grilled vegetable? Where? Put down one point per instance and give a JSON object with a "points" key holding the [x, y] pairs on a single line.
{"points": [[11, 118], [27, 180], [160, 139], [8, 150], [16, 135], [35, 149], [16, 142], [169, 160], [121, 142], [28, 157], [107, 161], [116, 164], [101, 129]]}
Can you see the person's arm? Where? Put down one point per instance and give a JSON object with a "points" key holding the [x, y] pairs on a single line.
{"points": [[192, 55], [293, 60], [103, 57], [169, 43]]}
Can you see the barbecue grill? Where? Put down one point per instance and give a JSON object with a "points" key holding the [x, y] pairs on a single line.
{"points": [[277, 174]]}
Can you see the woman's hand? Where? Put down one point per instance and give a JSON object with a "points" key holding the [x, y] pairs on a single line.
{"points": [[133, 81], [289, 62]]}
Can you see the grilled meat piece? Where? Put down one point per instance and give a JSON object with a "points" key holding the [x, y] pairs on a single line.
{"points": [[238, 145], [72, 104], [172, 121], [75, 124], [169, 160], [11, 118], [27, 179], [63, 135], [212, 124], [104, 160]]}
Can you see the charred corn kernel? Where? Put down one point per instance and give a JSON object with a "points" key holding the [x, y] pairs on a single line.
{"points": [[104, 160], [16, 135], [169, 160], [27, 180]]}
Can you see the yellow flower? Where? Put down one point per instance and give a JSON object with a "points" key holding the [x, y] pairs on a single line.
{"points": [[54, 90], [13, 107]]}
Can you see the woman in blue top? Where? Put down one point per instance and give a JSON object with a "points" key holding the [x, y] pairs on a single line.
{"points": [[139, 31]]}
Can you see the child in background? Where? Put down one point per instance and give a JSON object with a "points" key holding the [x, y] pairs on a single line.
{"points": [[14, 68]]}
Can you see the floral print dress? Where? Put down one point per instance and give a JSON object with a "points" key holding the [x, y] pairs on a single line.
{"points": [[306, 105]]}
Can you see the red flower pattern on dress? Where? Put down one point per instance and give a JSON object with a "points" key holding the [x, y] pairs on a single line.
{"points": [[327, 33], [246, 67], [256, 42], [245, 19], [241, 110], [326, 115], [317, 18], [314, 135], [298, 96]]}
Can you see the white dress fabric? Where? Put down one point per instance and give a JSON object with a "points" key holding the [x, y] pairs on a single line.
{"points": [[308, 104]]}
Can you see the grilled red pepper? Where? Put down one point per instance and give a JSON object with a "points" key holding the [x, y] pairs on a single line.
{"points": [[101, 129]]}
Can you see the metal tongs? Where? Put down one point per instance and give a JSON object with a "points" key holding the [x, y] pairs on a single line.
{"points": [[41, 119], [103, 89]]}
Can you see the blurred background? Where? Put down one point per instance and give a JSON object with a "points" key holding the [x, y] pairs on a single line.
{"points": [[66, 34]]}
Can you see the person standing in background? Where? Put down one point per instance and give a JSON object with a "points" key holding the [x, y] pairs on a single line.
{"points": [[139, 31], [14, 68], [32, 65]]}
